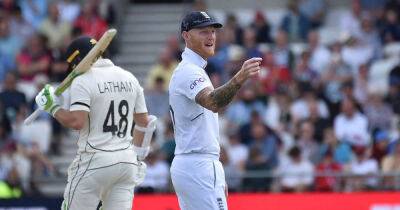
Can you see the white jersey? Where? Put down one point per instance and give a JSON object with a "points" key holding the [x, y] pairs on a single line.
{"points": [[196, 128], [111, 95]]}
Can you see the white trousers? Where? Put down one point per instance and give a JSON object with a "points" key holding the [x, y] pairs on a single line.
{"points": [[199, 182], [107, 176]]}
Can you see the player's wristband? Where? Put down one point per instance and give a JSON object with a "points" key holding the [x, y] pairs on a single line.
{"points": [[54, 109], [141, 152]]}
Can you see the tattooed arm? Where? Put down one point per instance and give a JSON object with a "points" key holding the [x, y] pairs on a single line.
{"points": [[218, 98]]}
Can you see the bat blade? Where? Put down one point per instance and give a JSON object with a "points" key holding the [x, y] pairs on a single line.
{"points": [[81, 68], [88, 61]]}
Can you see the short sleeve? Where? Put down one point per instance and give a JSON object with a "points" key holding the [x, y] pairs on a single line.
{"points": [[80, 96], [140, 104], [193, 82]]}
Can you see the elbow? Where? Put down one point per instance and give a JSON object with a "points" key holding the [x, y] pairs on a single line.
{"points": [[77, 125]]}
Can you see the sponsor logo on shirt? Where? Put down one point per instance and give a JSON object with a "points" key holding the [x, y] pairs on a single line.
{"points": [[220, 204], [195, 82]]}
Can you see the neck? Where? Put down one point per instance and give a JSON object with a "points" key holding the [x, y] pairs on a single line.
{"points": [[196, 51]]}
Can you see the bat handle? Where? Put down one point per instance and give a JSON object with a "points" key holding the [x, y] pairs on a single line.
{"points": [[32, 117]]}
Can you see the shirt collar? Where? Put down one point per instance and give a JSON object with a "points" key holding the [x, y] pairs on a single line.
{"points": [[194, 58], [103, 62]]}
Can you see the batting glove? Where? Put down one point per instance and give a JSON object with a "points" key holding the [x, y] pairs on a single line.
{"points": [[141, 152], [47, 100], [141, 173]]}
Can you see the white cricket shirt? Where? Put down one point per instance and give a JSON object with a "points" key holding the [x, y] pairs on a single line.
{"points": [[196, 128], [111, 95]]}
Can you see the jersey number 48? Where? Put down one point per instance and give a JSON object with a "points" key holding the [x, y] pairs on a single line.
{"points": [[109, 123]]}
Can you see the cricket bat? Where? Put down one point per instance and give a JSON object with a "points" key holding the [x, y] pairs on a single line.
{"points": [[81, 68]]}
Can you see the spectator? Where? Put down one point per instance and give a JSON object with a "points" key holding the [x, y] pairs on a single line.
{"points": [[378, 113], [350, 22], [157, 99], [390, 29], [34, 59], [34, 11], [8, 7], [364, 170], [237, 152], [11, 187], [54, 28], [19, 27], [69, 10], [164, 69], [236, 55], [393, 97], [239, 112], [361, 84], [336, 74], [277, 115], [256, 163], [319, 123], [391, 165], [295, 23], [12, 101], [6, 65], [282, 53], [105, 10], [173, 45], [380, 147], [262, 28], [355, 53], [264, 139], [303, 72], [350, 125], [369, 35], [245, 130], [250, 43], [296, 174], [233, 26], [90, 23], [315, 11], [273, 76], [307, 143], [10, 45], [320, 56], [12, 160], [5, 144], [59, 66], [157, 174], [341, 151], [300, 108], [324, 182], [219, 62]]}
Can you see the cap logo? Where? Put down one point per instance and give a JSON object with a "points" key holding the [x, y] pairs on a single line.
{"points": [[93, 41], [205, 15], [72, 56]]}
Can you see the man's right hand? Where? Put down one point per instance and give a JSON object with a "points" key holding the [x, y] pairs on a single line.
{"points": [[250, 67], [47, 100]]}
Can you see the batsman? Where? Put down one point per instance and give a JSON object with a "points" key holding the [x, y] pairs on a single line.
{"points": [[105, 102]]}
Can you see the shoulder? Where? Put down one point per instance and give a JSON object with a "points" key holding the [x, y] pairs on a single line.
{"points": [[85, 79], [128, 75]]}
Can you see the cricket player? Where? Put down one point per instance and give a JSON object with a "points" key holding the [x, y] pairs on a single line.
{"points": [[104, 103], [196, 172]]}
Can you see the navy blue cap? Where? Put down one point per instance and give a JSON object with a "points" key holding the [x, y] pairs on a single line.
{"points": [[78, 49], [198, 19]]}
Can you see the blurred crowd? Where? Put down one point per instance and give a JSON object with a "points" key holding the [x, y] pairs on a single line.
{"points": [[320, 116], [34, 35]]}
